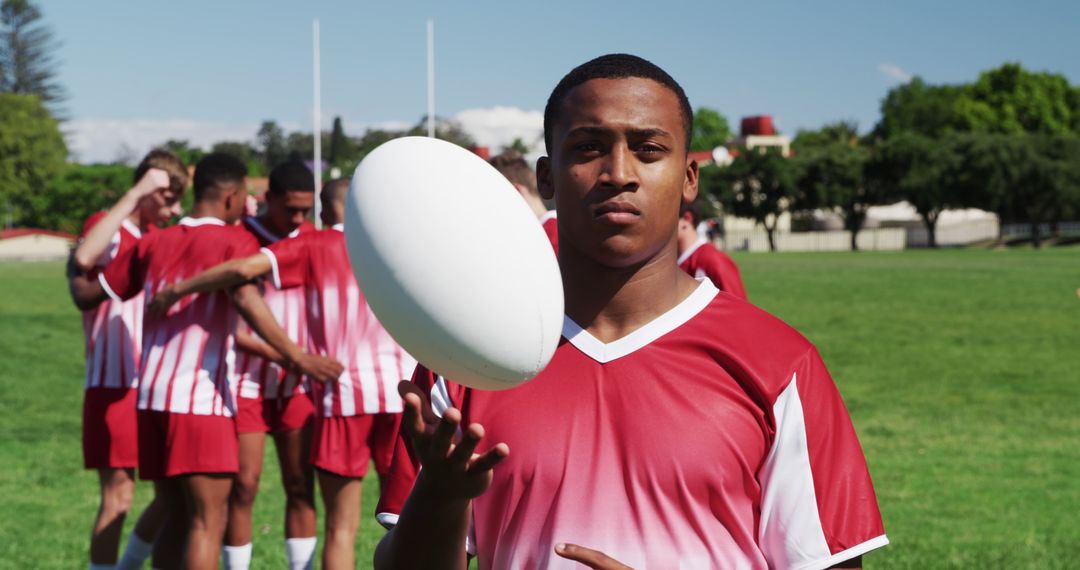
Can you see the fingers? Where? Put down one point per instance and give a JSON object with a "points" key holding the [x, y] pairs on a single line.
{"points": [[589, 557], [491, 458], [444, 432], [427, 414], [463, 451], [413, 415]]}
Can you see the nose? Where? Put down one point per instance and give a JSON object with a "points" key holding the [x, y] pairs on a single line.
{"points": [[620, 168]]}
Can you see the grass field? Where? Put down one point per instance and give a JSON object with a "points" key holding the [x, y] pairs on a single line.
{"points": [[961, 370]]}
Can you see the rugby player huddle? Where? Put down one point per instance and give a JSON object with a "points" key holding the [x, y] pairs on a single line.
{"points": [[677, 425]]}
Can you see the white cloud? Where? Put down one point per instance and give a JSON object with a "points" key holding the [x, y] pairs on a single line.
{"points": [[895, 72], [496, 127], [106, 140]]}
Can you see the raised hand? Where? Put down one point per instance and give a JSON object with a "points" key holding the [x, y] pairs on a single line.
{"points": [[454, 468], [155, 179], [592, 558]]}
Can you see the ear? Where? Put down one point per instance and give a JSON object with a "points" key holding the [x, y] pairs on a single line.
{"points": [[690, 184], [544, 183]]}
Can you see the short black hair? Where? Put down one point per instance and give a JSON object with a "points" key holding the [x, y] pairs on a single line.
{"points": [[613, 66], [695, 210], [215, 171], [291, 176]]}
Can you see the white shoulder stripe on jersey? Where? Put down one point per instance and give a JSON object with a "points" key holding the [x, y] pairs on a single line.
{"points": [[131, 228], [109, 290], [690, 251], [548, 215], [273, 266], [674, 318]]}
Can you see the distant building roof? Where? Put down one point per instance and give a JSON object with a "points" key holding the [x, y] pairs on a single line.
{"points": [[22, 232]]}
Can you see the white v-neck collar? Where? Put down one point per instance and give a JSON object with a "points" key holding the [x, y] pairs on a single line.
{"points": [[690, 250], [205, 220], [131, 228], [658, 327], [548, 215]]}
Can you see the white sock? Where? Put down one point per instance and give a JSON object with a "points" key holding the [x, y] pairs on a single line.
{"points": [[136, 553], [102, 566], [300, 552], [236, 557]]}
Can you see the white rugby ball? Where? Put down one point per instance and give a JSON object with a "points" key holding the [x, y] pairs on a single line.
{"points": [[453, 263]]}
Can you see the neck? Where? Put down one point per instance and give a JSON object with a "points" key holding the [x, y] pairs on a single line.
{"points": [[136, 219], [536, 205], [687, 238], [610, 302], [208, 210]]}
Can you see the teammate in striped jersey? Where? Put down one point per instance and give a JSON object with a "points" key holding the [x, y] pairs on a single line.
{"points": [[356, 415], [270, 398], [187, 383], [517, 170], [675, 427], [113, 343], [699, 258]]}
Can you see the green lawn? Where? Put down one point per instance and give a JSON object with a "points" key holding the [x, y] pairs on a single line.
{"points": [[960, 368]]}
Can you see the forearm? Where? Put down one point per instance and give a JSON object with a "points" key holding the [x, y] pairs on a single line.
{"points": [[97, 240], [250, 303], [247, 342], [438, 523], [222, 276], [86, 292]]}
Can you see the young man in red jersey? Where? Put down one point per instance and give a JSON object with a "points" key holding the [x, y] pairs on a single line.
{"points": [[187, 383], [357, 415], [270, 398], [674, 427], [514, 167], [113, 349], [699, 258]]}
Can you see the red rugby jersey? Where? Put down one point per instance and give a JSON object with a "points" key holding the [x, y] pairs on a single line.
{"points": [[713, 437], [187, 357], [260, 377], [703, 260], [113, 329], [550, 223], [341, 325]]}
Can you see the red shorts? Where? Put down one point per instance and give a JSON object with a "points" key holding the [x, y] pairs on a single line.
{"points": [[345, 446], [256, 415], [110, 431], [178, 444]]}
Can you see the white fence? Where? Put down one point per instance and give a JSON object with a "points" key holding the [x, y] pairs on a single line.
{"points": [[871, 239], [1024, 230], [961, 233]]}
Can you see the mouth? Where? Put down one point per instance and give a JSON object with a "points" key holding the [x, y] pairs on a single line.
{"points": [[618, 213]]}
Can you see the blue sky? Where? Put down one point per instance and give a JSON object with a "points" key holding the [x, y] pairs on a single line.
{"points": [[140, 72]]}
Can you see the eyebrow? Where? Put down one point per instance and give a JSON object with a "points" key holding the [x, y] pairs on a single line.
{"points": [[637, 133]]}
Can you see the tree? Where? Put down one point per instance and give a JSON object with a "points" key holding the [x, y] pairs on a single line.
{"points": [[928, 173], [517, 146], [446, 130], [917, 107], [77, 192], [710, 130], [26, 61], [270, 141], [32, 152], [831, 176], [338, 143], [759, 184], [188, 154], [1012, 100], [840, 132], [245, 152]]}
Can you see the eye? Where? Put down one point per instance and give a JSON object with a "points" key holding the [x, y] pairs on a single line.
{"points": [[587, 147]]}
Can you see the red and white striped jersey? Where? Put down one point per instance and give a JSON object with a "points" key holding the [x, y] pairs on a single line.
{"points": [[341, 325], [550, 223], [188, 360], [703, 260], [712, 437], [261, 378], [113, 329]]}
